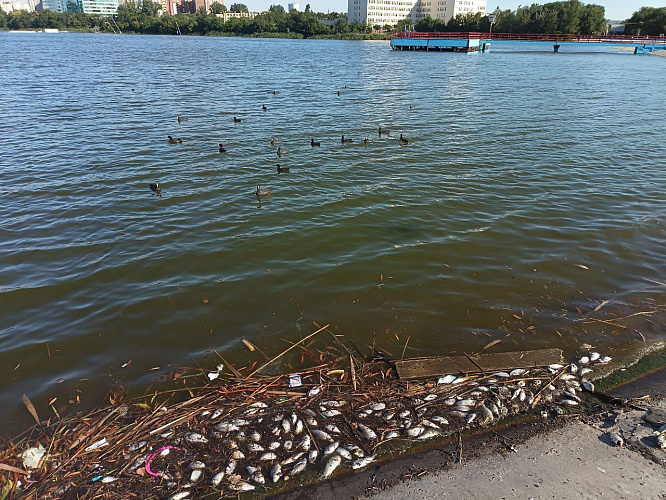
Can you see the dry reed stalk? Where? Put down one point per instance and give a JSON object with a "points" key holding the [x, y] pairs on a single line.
{"points": [[285, 352]]}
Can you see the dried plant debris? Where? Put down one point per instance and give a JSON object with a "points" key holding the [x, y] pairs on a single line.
{"points": [[245, 434]]}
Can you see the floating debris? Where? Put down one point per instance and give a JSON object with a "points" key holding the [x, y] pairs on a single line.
{"points": [[240, 431]]}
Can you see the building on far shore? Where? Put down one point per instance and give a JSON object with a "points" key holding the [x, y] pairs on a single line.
{"points": [[293, 6], [102, 7], [12, 5], [231, 15], [383, 12]]}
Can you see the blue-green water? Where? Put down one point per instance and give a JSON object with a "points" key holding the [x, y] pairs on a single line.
{"points": [[531, 190]]}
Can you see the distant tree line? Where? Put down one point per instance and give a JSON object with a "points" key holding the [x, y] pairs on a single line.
{"points": [[556, 17], [142, 16], [647, 21]]}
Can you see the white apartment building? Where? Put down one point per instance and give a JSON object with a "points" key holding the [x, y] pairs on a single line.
{"points": [[384, 12]]}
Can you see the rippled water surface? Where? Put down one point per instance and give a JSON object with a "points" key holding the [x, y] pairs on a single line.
{"points": [[531, 191]]}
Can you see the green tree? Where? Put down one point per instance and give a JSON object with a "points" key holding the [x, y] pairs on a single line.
{"points": [[647, 21], [217, 8], [277, 9], [150, 8], [238, 7]]}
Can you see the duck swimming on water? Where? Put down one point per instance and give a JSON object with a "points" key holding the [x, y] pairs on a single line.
{"points": [[281, 151], [182, 119], [315, 144], [343, 140], [403, 140], [383, 131], [281, 170], [263, 192], [177, 140], [237, 120], [275, 141], [264, 108], [155, 186], [221, 148]]}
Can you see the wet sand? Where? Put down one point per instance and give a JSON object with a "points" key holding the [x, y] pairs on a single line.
{"points": [[569, 457]]}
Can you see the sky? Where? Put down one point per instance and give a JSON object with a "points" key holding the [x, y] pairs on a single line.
{"points": [[615, 9]]}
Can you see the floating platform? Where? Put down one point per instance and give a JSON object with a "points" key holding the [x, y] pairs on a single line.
{"points": [[441, 42]]}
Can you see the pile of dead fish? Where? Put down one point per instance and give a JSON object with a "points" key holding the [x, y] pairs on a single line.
{"points": [[262, 442]]}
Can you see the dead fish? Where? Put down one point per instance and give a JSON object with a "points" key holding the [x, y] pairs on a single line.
{"points": [[378, 406], [274, 445], [332, 413], [237, 455], [331, 465], [356, 450], [312, 456], [470, 418], [226, 427], [584, 360], [406, 423], [110, 479], [388, 415], [344, 452], [331, 448], [585, 371], [180, 496], [311, 422], [487, 416], [429, 434], [217, 414], [404, 414], [569, 402], [362, 462], [195, 437], [334, 404], [254, 447], [241, 487], [661, 441], [428, 423], [459, 380], [501, 375], [450, 401], [594, 356], [616, 439], [517, 371], [276, 431], [458, 414], [314, 391], [276, 473], [138, 446], [414, 432], [322, 436], [231, 466], [571, 395], [568, 376], [298, 468], [286, 426], [448, 379], [367, 432], [306, 442], [298, 427], [255, 475], [365, 413], [255, 436], [269, 455], [138, 462], [573, 368], [333, 429], [197, 464], [240, 422], [217, 479], [605, 359], [278, 417], [391, 435], [430, 397], [440, 420], [196, 475]]}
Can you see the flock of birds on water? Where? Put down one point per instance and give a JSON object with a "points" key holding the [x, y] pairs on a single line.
{"points": [[261, 192]]}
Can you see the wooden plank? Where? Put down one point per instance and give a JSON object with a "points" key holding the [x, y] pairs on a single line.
{"points": [[456, 365]]}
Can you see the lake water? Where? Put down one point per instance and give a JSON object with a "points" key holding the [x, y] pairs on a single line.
{"points": [[531, 191]]}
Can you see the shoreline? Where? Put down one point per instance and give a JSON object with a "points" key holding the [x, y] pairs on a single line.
{"points": [[397, 463], [558, 458]]}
